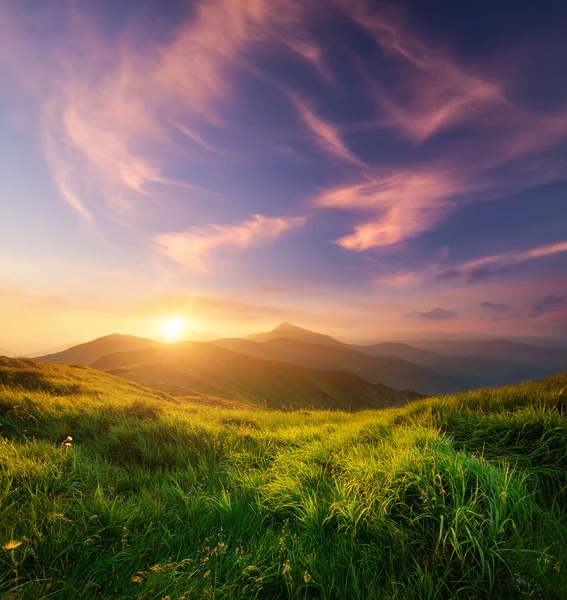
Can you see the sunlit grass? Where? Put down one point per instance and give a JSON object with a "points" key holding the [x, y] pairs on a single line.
{"points": [[112, 490]]}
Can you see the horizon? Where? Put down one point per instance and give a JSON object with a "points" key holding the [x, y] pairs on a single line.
{"points": [[181, 336], [373, 172]]}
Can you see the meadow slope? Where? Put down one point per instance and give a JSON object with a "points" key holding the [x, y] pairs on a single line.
{"points": [[111, 490]]}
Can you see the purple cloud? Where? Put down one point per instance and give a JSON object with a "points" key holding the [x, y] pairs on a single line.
{"points": [[546, 305], [435, 314]]}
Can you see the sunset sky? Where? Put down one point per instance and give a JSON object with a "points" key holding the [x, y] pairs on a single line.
{"points": [[368, 169]]}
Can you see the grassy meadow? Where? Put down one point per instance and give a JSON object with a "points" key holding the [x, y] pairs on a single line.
{"points": [[111, 490]]}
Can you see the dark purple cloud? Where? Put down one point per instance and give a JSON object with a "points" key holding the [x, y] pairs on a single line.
{"points": [[435, 314], [498, 311], [496, 307], [449, 274], [546, 305]]}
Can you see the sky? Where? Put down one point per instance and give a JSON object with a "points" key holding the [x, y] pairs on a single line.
{"points": [[373, 170]]}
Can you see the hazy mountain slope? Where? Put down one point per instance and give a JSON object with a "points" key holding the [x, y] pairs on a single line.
{"points": [[389, 370], [255, 349], [292, 332], [549, 357], [89, 352], [48, 351], [196, 368], [405, 351], [4, 352], [473, 370]]}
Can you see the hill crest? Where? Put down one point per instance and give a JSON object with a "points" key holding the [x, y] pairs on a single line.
{"points": [[294, 332], [89, 352]]}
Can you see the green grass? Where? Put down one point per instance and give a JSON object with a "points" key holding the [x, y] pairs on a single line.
{"points": [[159, 497]]}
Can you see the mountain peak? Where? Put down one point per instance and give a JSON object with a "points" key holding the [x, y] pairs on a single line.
{"points": [[114, 337], [291, 331], [286, 326]]}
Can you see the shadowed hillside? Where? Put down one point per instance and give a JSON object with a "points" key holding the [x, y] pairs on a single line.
{"points": [[389, 370], [89, 352], [190, 368], [110, 490]]}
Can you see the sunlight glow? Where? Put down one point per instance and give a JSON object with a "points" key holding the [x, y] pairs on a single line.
{"points": [[173, 329]]}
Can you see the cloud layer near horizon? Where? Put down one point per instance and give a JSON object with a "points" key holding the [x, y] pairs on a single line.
{"points": [[202, 141]]}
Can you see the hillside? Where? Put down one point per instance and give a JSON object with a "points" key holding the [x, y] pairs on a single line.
{"points": [[199, 368], [110, 490], [89, 352], [389, 370]]}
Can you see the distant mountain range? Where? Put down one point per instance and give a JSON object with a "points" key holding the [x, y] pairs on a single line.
{"points": [[200, 368], [294, 365], [389, 370], [521, 353]]}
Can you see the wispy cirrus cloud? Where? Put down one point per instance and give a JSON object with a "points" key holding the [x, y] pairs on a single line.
{"points": [[194, 248], [432, 91], [509, 258], [429, 92], [485, 268], [108, 104], [140, 118], [325, 134], [401, 205]]}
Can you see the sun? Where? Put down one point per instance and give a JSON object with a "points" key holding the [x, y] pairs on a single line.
{"points": [[173, 328]]}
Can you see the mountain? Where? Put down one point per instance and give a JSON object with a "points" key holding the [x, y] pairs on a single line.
{"points": [[404, 351], [548, 357], [472, 370], [389, 370], [292, 332], [4, 352], [450, 364], [427, 366], [89, 352], [200, 368]]}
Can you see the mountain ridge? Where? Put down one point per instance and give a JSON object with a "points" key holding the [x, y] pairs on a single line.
{"points": [[201, 368], [429, 367], [391, 371], [89, 352]]}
